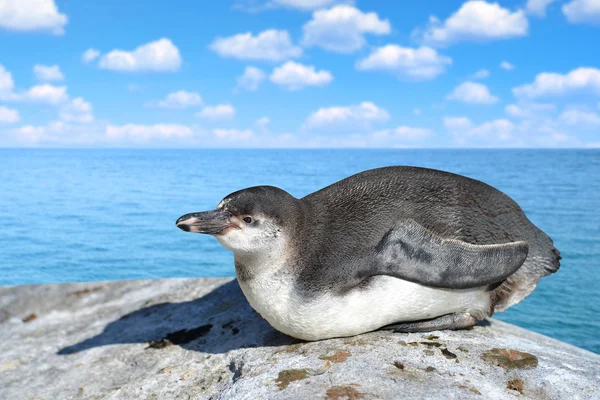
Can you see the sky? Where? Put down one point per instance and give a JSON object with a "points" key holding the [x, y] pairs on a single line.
{"points": [[300, 73]]}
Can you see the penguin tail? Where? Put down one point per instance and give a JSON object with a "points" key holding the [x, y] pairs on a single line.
{"points": [[543, 260]]}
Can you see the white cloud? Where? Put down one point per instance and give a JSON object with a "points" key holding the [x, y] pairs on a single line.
{"points": [[505, 65], [528, 110], [59, 133], [578, 117], [342, 28], [472, 93], [102, 134], [158, 56], [90, 55], [476, 21], [220, 111], [544, 131], [32, 15], [234, 134], [6, 81], [481, 74], [29, 133], [144, 133], [9, 115], [580, 11], [400, 137], [549, 135], [498, 132], [419, 64], [48, 72], [295, 76], [77, 110], [538, 127], [269, 45], [502, 129], [305, 5], [251, 79], [263, 121], [561, 138], [553, 84], [537, 7], [180, 99], [262, 124], [403, 133], [457, 123], [362, 113], [44, 93]]}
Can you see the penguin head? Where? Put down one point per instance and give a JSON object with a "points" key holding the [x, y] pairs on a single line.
{"points": [[251, 221]]}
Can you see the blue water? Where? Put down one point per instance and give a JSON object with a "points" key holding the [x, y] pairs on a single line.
{"points": [[86, 215]]}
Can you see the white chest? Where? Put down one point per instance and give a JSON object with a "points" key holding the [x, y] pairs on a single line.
{"points": [[386, 301]]}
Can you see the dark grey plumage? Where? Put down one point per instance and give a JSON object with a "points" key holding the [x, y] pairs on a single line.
{"points": [[338, 231]]}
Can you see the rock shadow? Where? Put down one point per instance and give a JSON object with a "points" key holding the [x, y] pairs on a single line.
{"points": [[217, 322]]}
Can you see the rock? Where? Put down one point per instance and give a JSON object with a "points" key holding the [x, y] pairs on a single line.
{"points": [[29, 318], [515, 384], [510, 359], [199, 338]]}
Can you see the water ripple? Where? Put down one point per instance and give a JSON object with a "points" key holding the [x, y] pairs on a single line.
{"points": [[84, 215]]}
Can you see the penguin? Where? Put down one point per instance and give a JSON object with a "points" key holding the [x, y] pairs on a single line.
{"points": [[404, 248]]}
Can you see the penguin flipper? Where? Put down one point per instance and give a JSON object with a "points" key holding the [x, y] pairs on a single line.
{"points": [[409, 251]]}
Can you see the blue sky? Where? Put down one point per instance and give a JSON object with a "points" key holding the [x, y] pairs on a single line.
{"points": [[299, 73]]}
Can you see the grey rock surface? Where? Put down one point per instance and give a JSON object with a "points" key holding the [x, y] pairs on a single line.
{"points": [[199, 339]]}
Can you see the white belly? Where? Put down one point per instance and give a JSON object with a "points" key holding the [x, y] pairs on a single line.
{"points": [[385, 301]]}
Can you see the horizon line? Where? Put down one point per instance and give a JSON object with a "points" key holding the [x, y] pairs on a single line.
{"points": [[300, 148]]}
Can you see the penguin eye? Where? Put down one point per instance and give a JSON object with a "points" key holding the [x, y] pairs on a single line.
{"points": [[248, 220]]}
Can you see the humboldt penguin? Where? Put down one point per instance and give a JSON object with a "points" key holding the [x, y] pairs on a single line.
{"points": [[403, 248]]}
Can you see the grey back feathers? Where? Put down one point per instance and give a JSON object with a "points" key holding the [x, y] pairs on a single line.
{"points": [[441, 222]]}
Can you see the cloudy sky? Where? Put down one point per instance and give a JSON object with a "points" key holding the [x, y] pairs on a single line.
{"points": [[299, 73]]}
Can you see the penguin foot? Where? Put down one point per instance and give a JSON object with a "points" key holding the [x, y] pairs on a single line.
{"points": [[448, 321]]}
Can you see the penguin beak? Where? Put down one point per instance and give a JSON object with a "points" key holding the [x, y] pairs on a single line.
{"points": [[210, 222]]}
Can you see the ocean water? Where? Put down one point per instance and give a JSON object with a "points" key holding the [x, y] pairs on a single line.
{"points": [[89, 215]]}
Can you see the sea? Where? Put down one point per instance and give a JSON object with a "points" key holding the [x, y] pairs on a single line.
{"points": [[108, 214]]}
